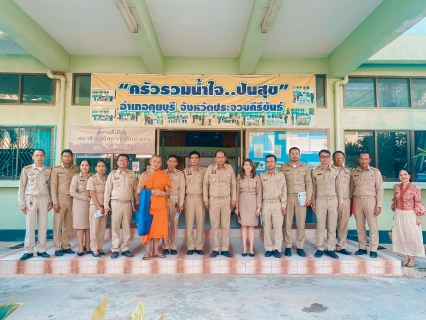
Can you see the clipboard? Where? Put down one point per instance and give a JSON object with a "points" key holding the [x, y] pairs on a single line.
{"points": [[301, 197]]}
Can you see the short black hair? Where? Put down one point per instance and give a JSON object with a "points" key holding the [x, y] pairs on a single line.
{"points": [[338, 151], [99, 161], [39, 150], [194, 152], [271, 156], [215, 154], [87, 160], [172, 156], [123, 155], [294, 148], [364, 152], [67, 151], [324, 151]]}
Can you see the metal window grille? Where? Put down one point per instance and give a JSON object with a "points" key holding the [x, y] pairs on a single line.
{"points": [[17, 145]]}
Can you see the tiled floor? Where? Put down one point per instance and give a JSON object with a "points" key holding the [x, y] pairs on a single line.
{"points": [[183, 264]]}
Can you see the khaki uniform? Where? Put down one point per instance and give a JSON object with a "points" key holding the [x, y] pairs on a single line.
{"points": [[120, 188], [298, 179], [60, 182], [274, 197], [326, 196], [219, 188], [34, 191], [366, 189], [80, 207], [194, 207], [345, 214], [97, 225], [175, 199]]}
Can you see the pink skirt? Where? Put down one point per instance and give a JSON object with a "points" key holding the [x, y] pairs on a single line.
{"points": [[407, 236]]}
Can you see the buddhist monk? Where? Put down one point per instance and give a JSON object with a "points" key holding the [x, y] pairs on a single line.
{"points": [[159, 183]]}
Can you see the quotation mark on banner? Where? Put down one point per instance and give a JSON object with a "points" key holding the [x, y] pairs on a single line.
{"points": [[123, 86]]}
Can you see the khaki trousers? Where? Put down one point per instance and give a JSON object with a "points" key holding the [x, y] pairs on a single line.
{"points": [[326, 218], [364, 209], [293, 208], [342, 224], [172, 208], [220, 213], [272, 219], [97, 229], [37, 210], [121, 216], [194, 211], [62, 224]]}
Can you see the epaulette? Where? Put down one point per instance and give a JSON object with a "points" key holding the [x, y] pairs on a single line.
{"points": [[212, 165], [375, 169], [29, 166], [58, 166], [315, 168]]}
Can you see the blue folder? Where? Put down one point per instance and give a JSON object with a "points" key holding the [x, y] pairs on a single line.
{"points": [[143, 217]]}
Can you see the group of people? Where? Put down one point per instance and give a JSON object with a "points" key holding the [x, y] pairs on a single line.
{"points": [[83, 202]]}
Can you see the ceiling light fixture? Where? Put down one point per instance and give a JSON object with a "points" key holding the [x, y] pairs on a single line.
{"points": [[127, 14], [270, 15]]}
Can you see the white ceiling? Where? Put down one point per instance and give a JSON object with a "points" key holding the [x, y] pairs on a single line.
{"points": [[313, 28], [200, 28]]}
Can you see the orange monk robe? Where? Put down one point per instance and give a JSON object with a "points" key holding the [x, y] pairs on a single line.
{"points": [[158, 208]]}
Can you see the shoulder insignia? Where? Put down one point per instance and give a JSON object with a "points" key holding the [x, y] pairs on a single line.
{"points": [[29, 166], [375, 169], [58, 166], [315, 168], [212, 165]]}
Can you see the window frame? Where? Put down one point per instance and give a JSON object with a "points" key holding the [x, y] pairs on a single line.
{"points": [[325, 90], [74, 75]]}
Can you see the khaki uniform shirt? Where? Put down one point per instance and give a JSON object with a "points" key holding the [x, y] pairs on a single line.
{"points": [[368, 183], [121, 186], [219, 182], [345, 178], [178, 185], [78, 187], [250, 185], [326, 183], [298, 179], [60, 180], [194, 180], [274, 187], [97, 184], [33, 182]]}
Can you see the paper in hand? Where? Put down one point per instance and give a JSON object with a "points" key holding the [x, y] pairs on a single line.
{"points": [[260, 218], [301, 196], [177, 215]]}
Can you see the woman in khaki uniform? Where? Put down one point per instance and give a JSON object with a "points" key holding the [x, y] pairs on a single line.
{"points": [[96, 188], [80, 207], [249, 202]]}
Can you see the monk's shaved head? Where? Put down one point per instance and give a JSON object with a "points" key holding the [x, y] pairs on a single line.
{"points": [[156, 156]]}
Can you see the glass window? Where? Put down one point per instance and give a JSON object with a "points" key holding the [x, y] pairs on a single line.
{"points": [[419, 173], [356, 142], [392, 153], [394, 92], [320, 90], [360, 92], [419, 92], [9, 88], [37, 89], [82, 84]]}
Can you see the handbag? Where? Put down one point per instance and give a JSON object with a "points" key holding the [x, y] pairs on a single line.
{"points": [[143, 217]]}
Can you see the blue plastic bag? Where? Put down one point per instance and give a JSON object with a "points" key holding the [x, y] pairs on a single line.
{"points": [[143, 217]]}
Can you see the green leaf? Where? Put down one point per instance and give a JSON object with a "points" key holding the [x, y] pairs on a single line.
{"points": [[100, 311], [138, 313], [7, 308]]}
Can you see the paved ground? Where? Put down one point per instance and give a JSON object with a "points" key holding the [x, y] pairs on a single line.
{"points": [[217, 297]]}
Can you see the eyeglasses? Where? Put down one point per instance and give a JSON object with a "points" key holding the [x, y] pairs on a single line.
{"points": [[324, 157]]}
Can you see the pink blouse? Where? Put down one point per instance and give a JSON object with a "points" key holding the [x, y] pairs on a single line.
{"points": [[408, 199]]}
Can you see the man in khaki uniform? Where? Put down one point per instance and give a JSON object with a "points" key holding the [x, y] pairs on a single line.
{"points": [[298, 179], [194, 207], [220, 197], [366, 190], [327, 201], [34, 199], [60, 182], [345, 214], [121, 186], [175, 199], [274, 195]]}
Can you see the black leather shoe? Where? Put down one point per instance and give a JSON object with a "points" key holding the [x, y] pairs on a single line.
{"points": [[27, 256], [276, 254], [101, 253], [244, 254], [127, 254], [344, 251], [89, 252], [96, 255], [214, 254], [252, 255], [268, 254], [80, 253], [301, 253], [373, 254], [69, 251], [166, 251], [287, 252], [200, 252], [226, 254], [114, 255], [332, 254], [190, 252], [173, 252], [318, 254], [43, 254], [58, 253], [360, 252]]}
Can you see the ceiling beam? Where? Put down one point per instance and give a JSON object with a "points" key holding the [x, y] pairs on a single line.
{"points": [[386, 23], [146, 38], [19, 27], [254, 39]]}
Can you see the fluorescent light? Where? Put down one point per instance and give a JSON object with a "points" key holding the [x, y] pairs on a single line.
{"points": [[127, 14], [1, 33], [269, 16]]}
